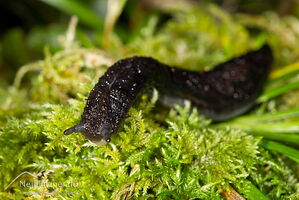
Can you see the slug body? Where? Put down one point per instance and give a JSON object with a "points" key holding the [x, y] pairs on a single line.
{"points": [[226, 91]]}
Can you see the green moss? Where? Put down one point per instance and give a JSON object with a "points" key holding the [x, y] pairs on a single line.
{"points": [[186, 159], [193, 39]]}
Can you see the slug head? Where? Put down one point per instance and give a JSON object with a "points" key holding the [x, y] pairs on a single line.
{"points": [[99, 136]]}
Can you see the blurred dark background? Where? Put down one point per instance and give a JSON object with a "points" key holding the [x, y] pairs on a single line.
{"points": [[27, 27]]}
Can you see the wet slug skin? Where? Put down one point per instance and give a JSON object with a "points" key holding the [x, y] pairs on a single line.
{"points": [[226, 91]]}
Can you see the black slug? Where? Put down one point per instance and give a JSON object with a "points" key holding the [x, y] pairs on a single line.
{"points": [[228, 90]]}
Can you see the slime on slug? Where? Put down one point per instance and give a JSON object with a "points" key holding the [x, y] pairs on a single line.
{"points": [[228, 90]]}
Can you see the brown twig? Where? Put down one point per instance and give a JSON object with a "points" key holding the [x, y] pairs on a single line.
{"points": [[232, 194], [126, 192]]}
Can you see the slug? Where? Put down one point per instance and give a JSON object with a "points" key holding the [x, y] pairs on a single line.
{"points": [[226, 91]]}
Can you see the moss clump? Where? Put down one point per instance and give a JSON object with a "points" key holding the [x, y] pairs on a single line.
{"points": [[185, 159], [193, 39]]}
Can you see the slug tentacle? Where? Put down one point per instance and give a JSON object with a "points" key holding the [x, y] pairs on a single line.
{"points": [[226, 91], [76, 128]]}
